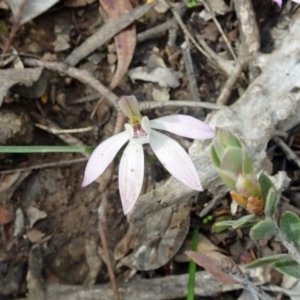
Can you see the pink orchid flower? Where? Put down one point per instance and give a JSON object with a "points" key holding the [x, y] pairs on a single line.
{"points": [[279, 2], [139, 131]]}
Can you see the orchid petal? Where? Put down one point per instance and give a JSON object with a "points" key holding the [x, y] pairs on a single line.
{"points": [[129, 130], [145, 123], [129, 106], [297, 1], [182, 125], [175, 159], [131, 175], [103, 156], [279, 2]]}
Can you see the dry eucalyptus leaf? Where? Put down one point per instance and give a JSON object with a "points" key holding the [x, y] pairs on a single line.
{"points": [[11, 77], [158, 240], [31, 9], [34, 214], [217, 264]]}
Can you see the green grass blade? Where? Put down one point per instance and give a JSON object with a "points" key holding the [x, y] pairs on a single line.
{"points": [[45, 149], [192, 267]]}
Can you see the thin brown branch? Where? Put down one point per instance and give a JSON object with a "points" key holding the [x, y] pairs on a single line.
{"points": [[81, 75], [231, 81], [102, 229], [46, 165], [208, 8]]}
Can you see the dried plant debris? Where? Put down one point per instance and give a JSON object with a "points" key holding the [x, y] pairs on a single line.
{"points": [[157, 241], [26, 10], [12, 77]]}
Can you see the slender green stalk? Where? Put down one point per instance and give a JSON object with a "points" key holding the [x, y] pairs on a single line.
{"points": [[192, 267], [45, 149]]}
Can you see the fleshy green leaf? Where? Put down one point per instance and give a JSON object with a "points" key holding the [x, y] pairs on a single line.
{"points": [[266, 260], [271, 203], [244, 221], [290, 226], [236, 161], [265, 185], [219, 149], [215, 157], [289, 267], [262, 229], [216, 228], [227, 138], [228, 177]]}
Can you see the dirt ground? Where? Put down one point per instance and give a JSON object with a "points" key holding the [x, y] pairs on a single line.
{"points": [[49, 224]]}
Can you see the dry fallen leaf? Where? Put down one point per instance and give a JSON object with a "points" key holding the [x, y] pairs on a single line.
{"points": [[125, 41], [217, 264], [12, 77], [31, 9], [157, 241], [5, 216], [34, 235], [34, 214]]}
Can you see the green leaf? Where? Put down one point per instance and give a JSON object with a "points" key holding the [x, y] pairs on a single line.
{"points": [[262, 229], [289, 267], [236, 160], [244, 221], [219, 148], [265, 185], [271, 202], [290, 226], [215, 157], [266, 260], [216, 228], [227, 139], [229, 178], [226, 223]]}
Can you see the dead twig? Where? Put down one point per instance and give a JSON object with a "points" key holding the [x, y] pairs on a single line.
{"points": [[46, 165], [102, 228], [186, 54], [106, 32], [287, 150], [155, 288], [15, 27], [186, 31], [249, 35], [231, 81], [178, 103], [81, 75], [63, 131], [208, 8], [50, 126], [35, 283]]}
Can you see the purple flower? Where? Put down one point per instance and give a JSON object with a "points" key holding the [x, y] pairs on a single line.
{"points": [[139, 131], [279, 2]]}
